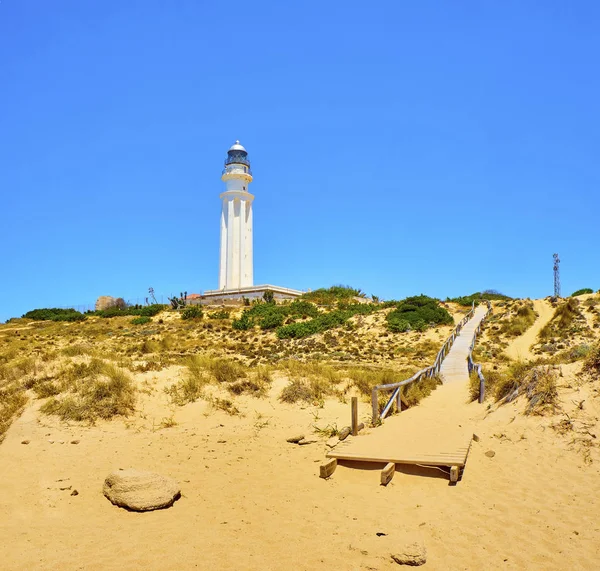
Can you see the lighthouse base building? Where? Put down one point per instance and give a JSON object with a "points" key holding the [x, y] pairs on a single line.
{"points": [[236, 275]]}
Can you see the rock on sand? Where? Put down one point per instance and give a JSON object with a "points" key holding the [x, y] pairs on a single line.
{"points": [[140, 491]]}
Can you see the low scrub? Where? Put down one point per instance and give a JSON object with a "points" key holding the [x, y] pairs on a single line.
{"points": [[417, 313], [332, 295], [582, 291], [520, 321], [477, 297], [564, 320], [141, 320], [54, 314], [268, 315], [192, 312], [415, 392], [538, 382], [592, 362], [98, 390], [144, 311]]}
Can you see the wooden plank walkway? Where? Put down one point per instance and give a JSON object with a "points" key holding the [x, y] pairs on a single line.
{"points": [[436, 432]]}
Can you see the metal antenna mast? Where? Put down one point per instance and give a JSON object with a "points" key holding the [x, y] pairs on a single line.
{"points": [[556, 276]]}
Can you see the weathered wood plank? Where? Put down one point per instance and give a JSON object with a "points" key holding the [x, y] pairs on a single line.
{"points": [[388, 473], [327, 469], [454, 472]]}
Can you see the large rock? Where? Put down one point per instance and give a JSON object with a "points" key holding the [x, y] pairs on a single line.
{"points": [[106, 302], [411, 554], [140, 491]]}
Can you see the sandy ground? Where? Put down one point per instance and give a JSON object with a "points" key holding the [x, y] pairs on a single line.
{"points": [[520, 348], [252, 501]]}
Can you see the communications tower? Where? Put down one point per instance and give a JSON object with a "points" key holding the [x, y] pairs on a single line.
{"points": [[556, 276]]}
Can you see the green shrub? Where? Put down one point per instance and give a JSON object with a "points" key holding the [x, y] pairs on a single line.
{"points": [[192, 312], [54, 314], [243, 323], [330, 296], [145, 311], [489, 295], [221, 314], [419, 312], [140, 320], [582, 291]]}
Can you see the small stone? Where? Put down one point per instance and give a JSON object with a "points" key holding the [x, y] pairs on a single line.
{"points": [[25, 442], [74, 441], [304, 442], [490, 453], [412, 554], [296, 439], [51, 441], [74, 493], [475, 438]]}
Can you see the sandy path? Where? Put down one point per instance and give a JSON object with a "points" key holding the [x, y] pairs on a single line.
{"points": [[520, 348]]}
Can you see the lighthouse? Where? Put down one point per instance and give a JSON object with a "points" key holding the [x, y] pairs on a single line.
{"points": [[236, 259], [236, 265]]}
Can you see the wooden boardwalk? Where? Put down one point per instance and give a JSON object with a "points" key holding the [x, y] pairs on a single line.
{"points": [[436, 432]]}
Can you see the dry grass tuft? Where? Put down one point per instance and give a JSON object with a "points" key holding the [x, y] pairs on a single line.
{"points": [[93, 391]]}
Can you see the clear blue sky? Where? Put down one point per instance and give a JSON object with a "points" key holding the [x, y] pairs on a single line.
{"points": [[400, 147]]}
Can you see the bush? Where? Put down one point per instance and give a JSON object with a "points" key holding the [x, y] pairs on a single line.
{"points": [[140, 320], [145, 311], [419, 312], [332, 295], [221, 314], [97, 390], [520, 322], [190, 388], [297, 390], [592, 362], [192, 312], [582, 291], [54, 314], [489, 295]]}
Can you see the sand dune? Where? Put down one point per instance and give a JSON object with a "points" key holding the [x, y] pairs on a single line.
{"points": [[520, 348], [252, 501]]}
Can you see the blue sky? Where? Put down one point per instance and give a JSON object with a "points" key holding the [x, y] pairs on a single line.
{"points": [[400, 147]]}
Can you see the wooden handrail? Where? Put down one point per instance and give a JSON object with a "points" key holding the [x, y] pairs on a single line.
{"points": [[427, 372]]}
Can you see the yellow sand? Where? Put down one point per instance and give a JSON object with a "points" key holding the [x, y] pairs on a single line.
{"points": [[520, 347], [252, 501]]}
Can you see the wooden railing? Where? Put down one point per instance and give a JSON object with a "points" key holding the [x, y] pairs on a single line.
{"points": [[424, 373], [474, 366]]}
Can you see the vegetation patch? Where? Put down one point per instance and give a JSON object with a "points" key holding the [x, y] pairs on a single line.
{"points": [[332, 295], [477, 297], [567, 320], [519, 321], [192, 312], [417, 313], [582, 291], [140, 320], [139, 310], [54, 314], [96, 390]]}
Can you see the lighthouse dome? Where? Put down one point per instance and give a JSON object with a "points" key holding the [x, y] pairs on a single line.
{"points": [[237, 155], [237, 147]]}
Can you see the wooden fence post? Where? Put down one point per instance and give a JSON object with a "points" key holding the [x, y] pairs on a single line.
{"points": [[354, 423], [374, 407]]}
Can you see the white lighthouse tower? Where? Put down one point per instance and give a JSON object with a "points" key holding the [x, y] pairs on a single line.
{"points": [[236, 275], [236, 265]]}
